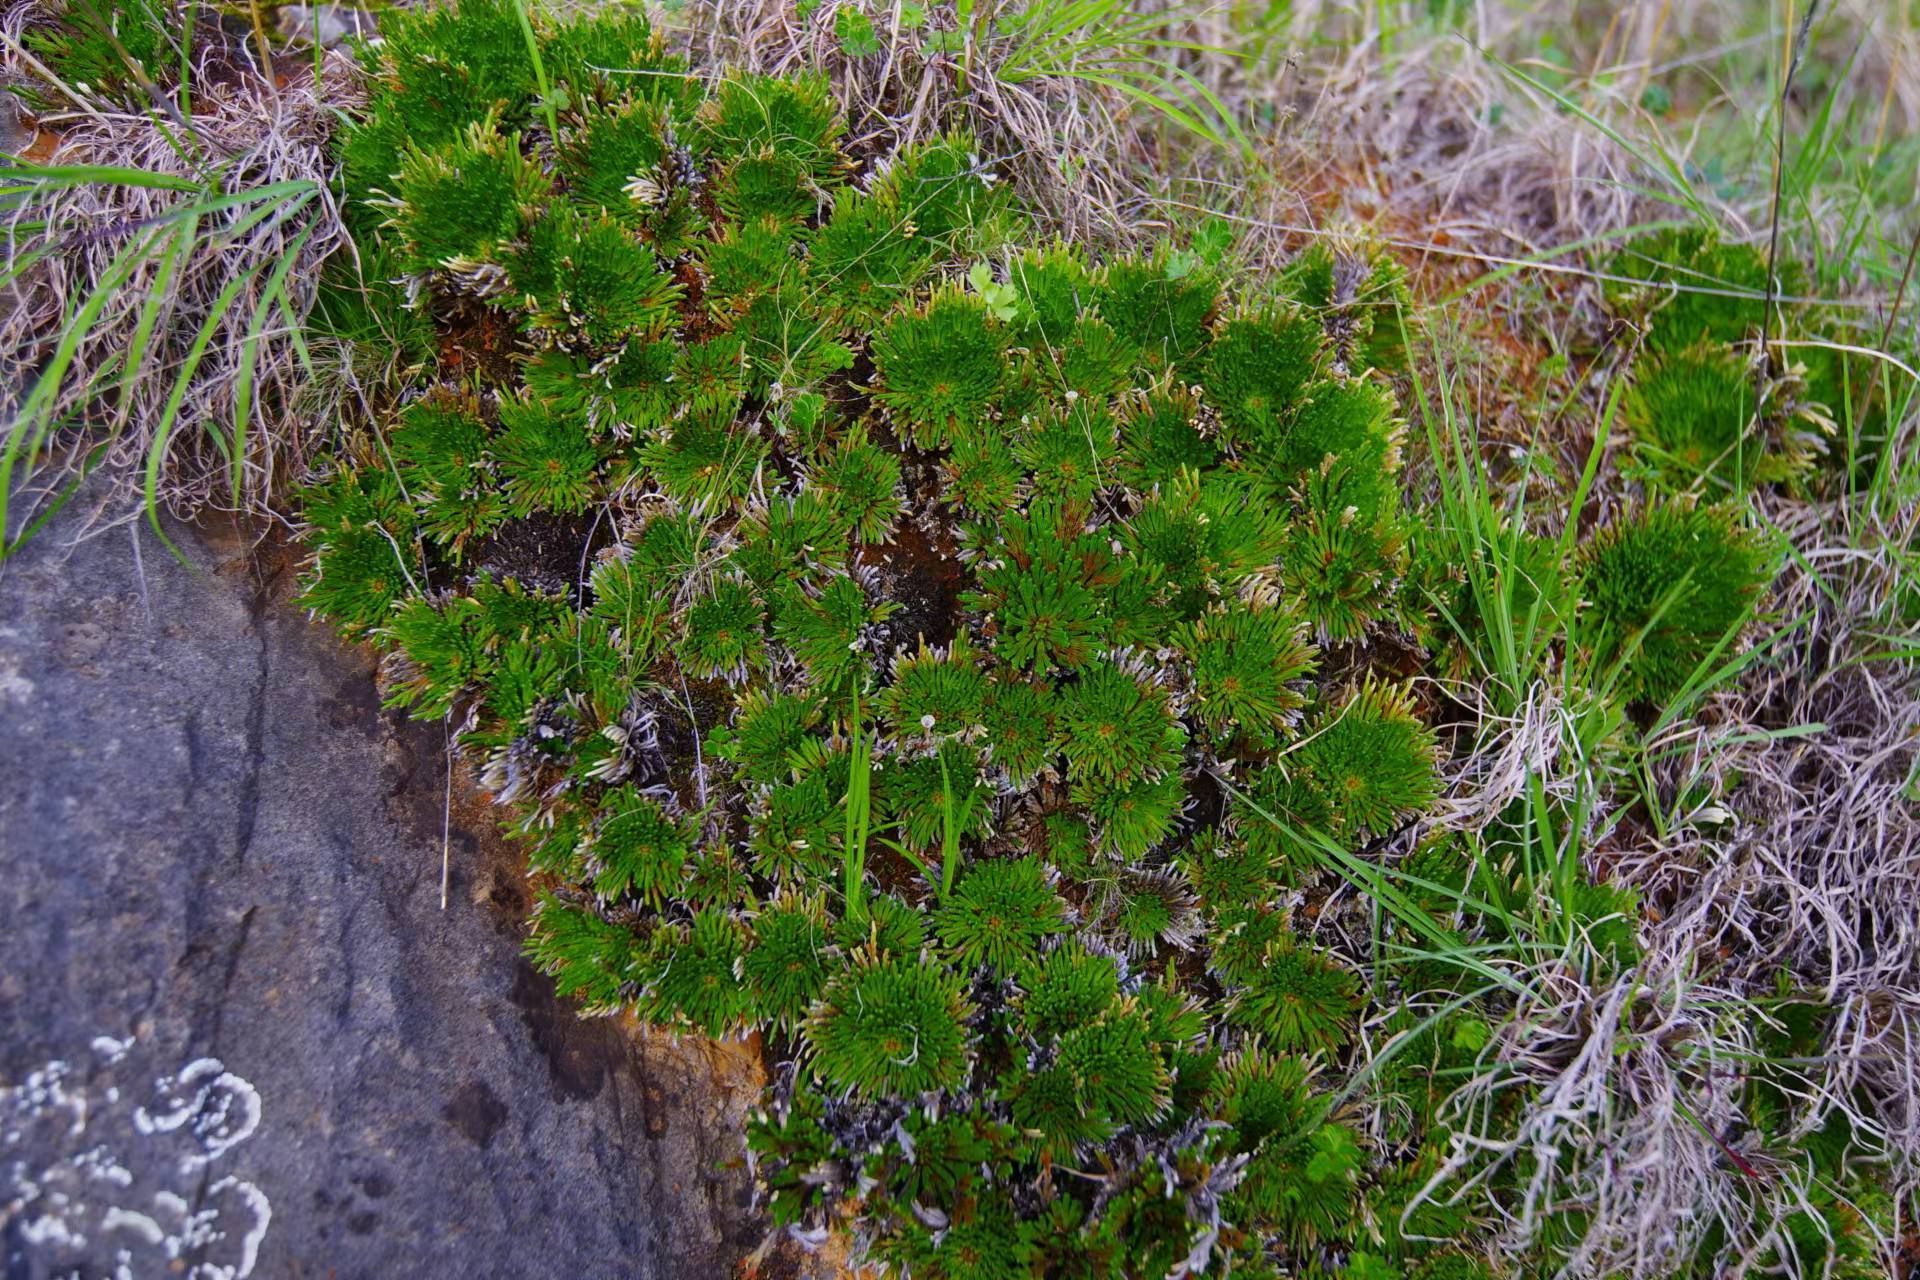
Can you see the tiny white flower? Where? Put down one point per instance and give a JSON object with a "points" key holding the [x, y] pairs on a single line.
{"points": [[926, 721]]}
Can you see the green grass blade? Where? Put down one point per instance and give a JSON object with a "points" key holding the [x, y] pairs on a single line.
{"points": [[249, 356], [163, 430], [34, 422]]}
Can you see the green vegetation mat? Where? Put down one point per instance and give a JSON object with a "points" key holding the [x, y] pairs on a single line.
{"points": [[1015, 681]]}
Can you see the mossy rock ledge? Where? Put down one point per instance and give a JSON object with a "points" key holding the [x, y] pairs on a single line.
{"points": [[226, 972]]}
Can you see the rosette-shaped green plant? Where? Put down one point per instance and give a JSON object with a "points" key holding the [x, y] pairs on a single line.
{"points": [[1129, 818], [1092, 1079], [1116, 728], [1309, 1187], [1044, 584], [1359, 296], [1246, 662], [1067, 988], [1018, 717], [1164, 430], [789, 962], [1068, 454], [777, 142], [1663, 589], [107, 50], [1202, 541], [547, 461], [798, 830], [860, 482], [590, 959], [1257, 373], [1161, 304], [724, 632], [440, 453], [1294, 996], [690, 975], [638, 849], [1263, 1095], [1340, 563], [454, 207], [982, 1246], [1370, 760], [998, 915], [768, 727], [941, 369], [589, 282], [1345, 434], [890, 1026], [929, 798], [936, 691], [1149, 910], [1691, 411], [1691, 287]]}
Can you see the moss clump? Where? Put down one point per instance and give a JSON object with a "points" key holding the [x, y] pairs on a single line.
{"points": [[945, 657], [998, 914], [1689, 287], [1667, 587], [890, 1026], [106, 47]]}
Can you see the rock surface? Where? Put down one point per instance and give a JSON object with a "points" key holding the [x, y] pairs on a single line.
{"points": [[236, 1026]]}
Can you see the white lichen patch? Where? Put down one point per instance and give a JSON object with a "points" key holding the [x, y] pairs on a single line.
{"points": [[106, 1169], [14, 687]]}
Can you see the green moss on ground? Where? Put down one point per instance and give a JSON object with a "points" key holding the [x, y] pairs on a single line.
{"points": [[973, 666]]}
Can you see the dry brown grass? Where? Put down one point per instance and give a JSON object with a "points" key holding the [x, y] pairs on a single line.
{"points": [[248, 133]]}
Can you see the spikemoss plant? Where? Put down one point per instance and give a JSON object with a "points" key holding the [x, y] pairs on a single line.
{"points": [[890, 1026], [1294, 997], [940, 368], [1370, 760], [957, 661], [998, 914], [1668, 587]]}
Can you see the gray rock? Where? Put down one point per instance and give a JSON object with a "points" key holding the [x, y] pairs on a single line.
{"points": [[335, 23], [234, 1018], [14, 133]]}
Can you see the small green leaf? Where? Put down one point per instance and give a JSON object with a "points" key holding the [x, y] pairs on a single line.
{"points": [[1214, 240], [939, 42], [1182, 263], [855, 32], [1471, 1034]]}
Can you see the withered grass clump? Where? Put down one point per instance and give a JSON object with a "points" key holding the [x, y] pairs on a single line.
{"points": [[162, 252]]}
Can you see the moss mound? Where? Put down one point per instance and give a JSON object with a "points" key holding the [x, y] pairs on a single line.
{"points": [[958, 659]]}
